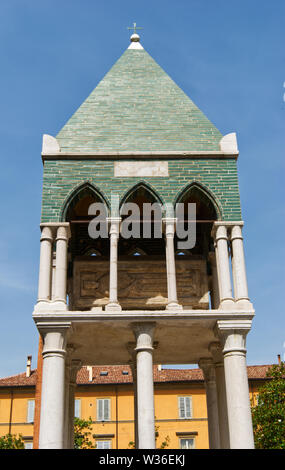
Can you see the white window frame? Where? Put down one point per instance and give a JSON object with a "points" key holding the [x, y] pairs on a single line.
{"points": [[103, 416], [30, 410], [186, 438], [184, 398], [28, 445], [107, 443], [77, 403]]}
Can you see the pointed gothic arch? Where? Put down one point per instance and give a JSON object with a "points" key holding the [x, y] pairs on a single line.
{"points": [[141, 187], [86, 191], [208, 206]]}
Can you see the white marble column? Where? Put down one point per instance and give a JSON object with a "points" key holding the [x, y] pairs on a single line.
{"points": [[53, 385], [223, 267], [207, 366], [62, 236], [170, 264], [217, 353], [145, 390], [114, 231], [134, 375], [239, 270], [44, 288], [232, 334]]}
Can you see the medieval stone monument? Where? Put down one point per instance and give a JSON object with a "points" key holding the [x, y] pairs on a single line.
{"points": [[113, 300]]}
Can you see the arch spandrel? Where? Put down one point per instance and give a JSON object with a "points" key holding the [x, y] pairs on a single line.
{"points": [[200, 191], [76, 195]]}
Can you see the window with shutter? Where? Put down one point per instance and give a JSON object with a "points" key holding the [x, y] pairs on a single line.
{"points": [[185, 407], [30, 411], [103, 409], [77, 408]]}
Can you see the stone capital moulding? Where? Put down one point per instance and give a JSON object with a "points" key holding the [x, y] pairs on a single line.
{"points": [[232, 334], [143, 332], [207, 366], [54, 337]]}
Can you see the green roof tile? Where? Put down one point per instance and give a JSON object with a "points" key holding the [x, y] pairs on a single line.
{"points": [[138, 107]]}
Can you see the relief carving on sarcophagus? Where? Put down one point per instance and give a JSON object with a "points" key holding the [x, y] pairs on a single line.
{"points": [[142, 283]]}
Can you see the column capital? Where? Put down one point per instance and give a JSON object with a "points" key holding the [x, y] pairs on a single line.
{"points": [[54, 226], [114, 225], [236, 232], [47, 232], [226, 224], [54, 338], [169, 225], [208, 368], [144, 332], [75, 365], [216, 350], [232, 334], [63, 232]]}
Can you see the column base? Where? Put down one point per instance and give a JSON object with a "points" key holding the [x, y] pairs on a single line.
{"points": [[113, 307], [42, 306], [244, 304], [49, 305], [227, 304], [173, 306]]}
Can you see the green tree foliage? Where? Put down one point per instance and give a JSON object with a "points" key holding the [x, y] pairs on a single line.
{"points": [[268, 415], [82, 434], [11, 441]]}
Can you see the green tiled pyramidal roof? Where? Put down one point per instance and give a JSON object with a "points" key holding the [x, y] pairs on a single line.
{"points": [[138, 107]]}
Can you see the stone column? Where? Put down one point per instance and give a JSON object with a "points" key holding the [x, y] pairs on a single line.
{"points": [[113, 304], [232, 334], [223, 268], [208, 369], [71, 369], [62, 236], [170, 264], [44, 289], [145, 390], [133, 366], [215, 282], [74, 368], [217, 353], [69, 351], [239, 270], [53, 385]]}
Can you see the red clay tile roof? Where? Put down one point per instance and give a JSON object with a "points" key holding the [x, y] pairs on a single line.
{"points": [[115, 375]]}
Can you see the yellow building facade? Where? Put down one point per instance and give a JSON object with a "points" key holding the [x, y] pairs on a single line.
{"points": [[105, 394]]}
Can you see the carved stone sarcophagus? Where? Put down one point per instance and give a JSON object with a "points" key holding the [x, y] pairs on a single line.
{"points": [[142, 283]]}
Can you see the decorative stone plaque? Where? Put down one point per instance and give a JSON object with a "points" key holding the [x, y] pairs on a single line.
{"points": [[148, 168], [142, 283]]}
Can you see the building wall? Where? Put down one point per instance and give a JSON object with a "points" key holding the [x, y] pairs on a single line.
{"points": [[218, 176], [14, 412], [120, 428]]}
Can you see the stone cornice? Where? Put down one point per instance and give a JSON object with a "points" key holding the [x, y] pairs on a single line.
{"points": [[138, 155]]}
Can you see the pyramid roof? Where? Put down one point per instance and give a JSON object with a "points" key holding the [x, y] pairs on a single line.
{"points": [[138, 107]]}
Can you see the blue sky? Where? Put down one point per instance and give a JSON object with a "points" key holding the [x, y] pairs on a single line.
{"points": [[228, 56]]}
